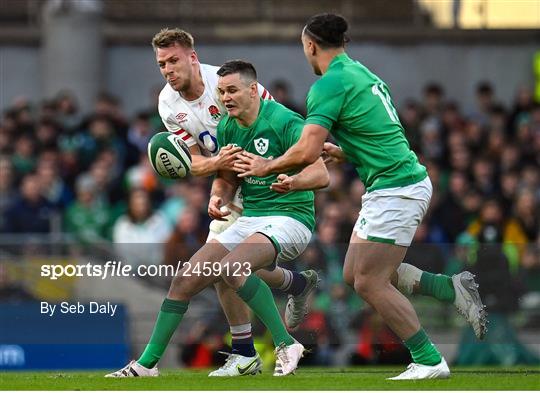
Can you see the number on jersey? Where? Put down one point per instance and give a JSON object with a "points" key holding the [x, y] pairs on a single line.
{"points": [[379, 90]]}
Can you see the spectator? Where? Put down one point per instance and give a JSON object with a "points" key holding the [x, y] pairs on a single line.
{"points": [[433, 96], [87, 218], [281, 90], [485, 96], [410, 117], [30, 212], [186, 238], [140, 233], [7, 188], [526, 213], [23, 159], [53, 187]]}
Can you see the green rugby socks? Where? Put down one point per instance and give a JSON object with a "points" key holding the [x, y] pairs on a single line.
{"points": [[439, 286], [172, 312], [423, 351], [258, 296]]}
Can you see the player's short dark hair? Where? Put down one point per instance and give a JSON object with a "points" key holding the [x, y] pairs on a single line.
{"points": [[327, 30], [244, 68]]}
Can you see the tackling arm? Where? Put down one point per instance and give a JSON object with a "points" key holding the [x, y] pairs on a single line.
{"points": [[312, 177], [207, 166], [303, 153]]}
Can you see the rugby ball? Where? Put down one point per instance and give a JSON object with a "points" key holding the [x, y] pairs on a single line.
{"points": [[169, 155]]}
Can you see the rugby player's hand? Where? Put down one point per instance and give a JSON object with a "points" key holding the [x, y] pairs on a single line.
{"points": [[249, 164], [216, 210], [332, 153], [284, 184], [226, 157]]}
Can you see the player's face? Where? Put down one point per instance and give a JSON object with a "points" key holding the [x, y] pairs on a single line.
{"points": [[236, 94], [176, 65], [309, 52]]}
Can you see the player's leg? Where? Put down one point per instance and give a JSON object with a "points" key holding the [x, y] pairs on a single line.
{"points": [[372, 265], [284, 239], [244, 359], [184, 286], [297, 285], [460, 290], [260, 252], [254, 253], [381, 236]]}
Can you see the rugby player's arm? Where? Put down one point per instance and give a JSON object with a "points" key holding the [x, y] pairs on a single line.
{"points": [[224, 186], [312, 177], [201, 165], [206, 166], [303, 153]]}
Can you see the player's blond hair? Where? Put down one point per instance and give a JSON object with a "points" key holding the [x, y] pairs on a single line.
{"points": [[168, 37]]}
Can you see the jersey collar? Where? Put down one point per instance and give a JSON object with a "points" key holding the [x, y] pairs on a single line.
{"points": [[339, 59]]}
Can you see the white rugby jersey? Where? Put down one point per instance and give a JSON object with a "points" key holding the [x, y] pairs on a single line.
{"points": [[196, 121]]}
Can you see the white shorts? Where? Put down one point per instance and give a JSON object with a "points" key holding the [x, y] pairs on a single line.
{"points": [[289, 236], [391, 215]]}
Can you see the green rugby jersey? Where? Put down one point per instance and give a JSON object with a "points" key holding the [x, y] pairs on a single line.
{"points": [[355, 106], [275, 130]]}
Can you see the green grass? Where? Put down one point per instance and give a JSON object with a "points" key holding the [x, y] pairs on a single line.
{"points": [[361, 378]]}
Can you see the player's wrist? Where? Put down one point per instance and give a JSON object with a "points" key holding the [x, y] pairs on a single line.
{"points": [[214, 163], [267, 167]]}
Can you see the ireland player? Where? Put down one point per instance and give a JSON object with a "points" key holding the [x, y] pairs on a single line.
{"points": [[354, 105], [274, 226], [190, 107]]}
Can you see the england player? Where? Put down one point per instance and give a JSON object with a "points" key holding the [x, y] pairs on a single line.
{"points": [[190, 107], [274, 226], [354, 106]]}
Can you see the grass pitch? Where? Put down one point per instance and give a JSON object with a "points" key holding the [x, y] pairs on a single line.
{"points": [[362, 378]]}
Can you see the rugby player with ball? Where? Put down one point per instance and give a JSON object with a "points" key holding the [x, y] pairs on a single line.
{"points": [[274, 227], [191, 110]]}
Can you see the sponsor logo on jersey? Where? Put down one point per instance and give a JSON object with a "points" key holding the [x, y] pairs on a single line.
{"points": [[181, 117], [214, 112], [261, 144], [252, 180]]}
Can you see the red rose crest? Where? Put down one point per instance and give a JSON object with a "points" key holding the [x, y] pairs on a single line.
{"points": [[214, 112]]}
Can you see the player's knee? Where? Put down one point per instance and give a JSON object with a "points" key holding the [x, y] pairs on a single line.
{"points": [[233, 281], [362, 286], [181, 289], [348, 278]]}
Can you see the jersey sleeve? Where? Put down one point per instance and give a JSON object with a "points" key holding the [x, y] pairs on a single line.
{"points": [[172, 126], [324, 102], [263, 93]]}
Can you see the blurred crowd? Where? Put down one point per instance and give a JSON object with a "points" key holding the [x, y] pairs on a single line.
{"points": [[88, 176]]}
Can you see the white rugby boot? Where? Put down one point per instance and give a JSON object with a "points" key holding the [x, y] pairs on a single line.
{"points": [[134, 369], [420, 371], [237, 366], [468, 302], [297, 306], [287, 358]]}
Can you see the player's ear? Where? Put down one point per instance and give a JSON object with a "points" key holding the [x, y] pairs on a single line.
{"points": [[193, 57], [254, 89], [312, 47]]}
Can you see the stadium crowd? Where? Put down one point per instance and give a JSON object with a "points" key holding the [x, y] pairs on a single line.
{"points": [[87, 175]]}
